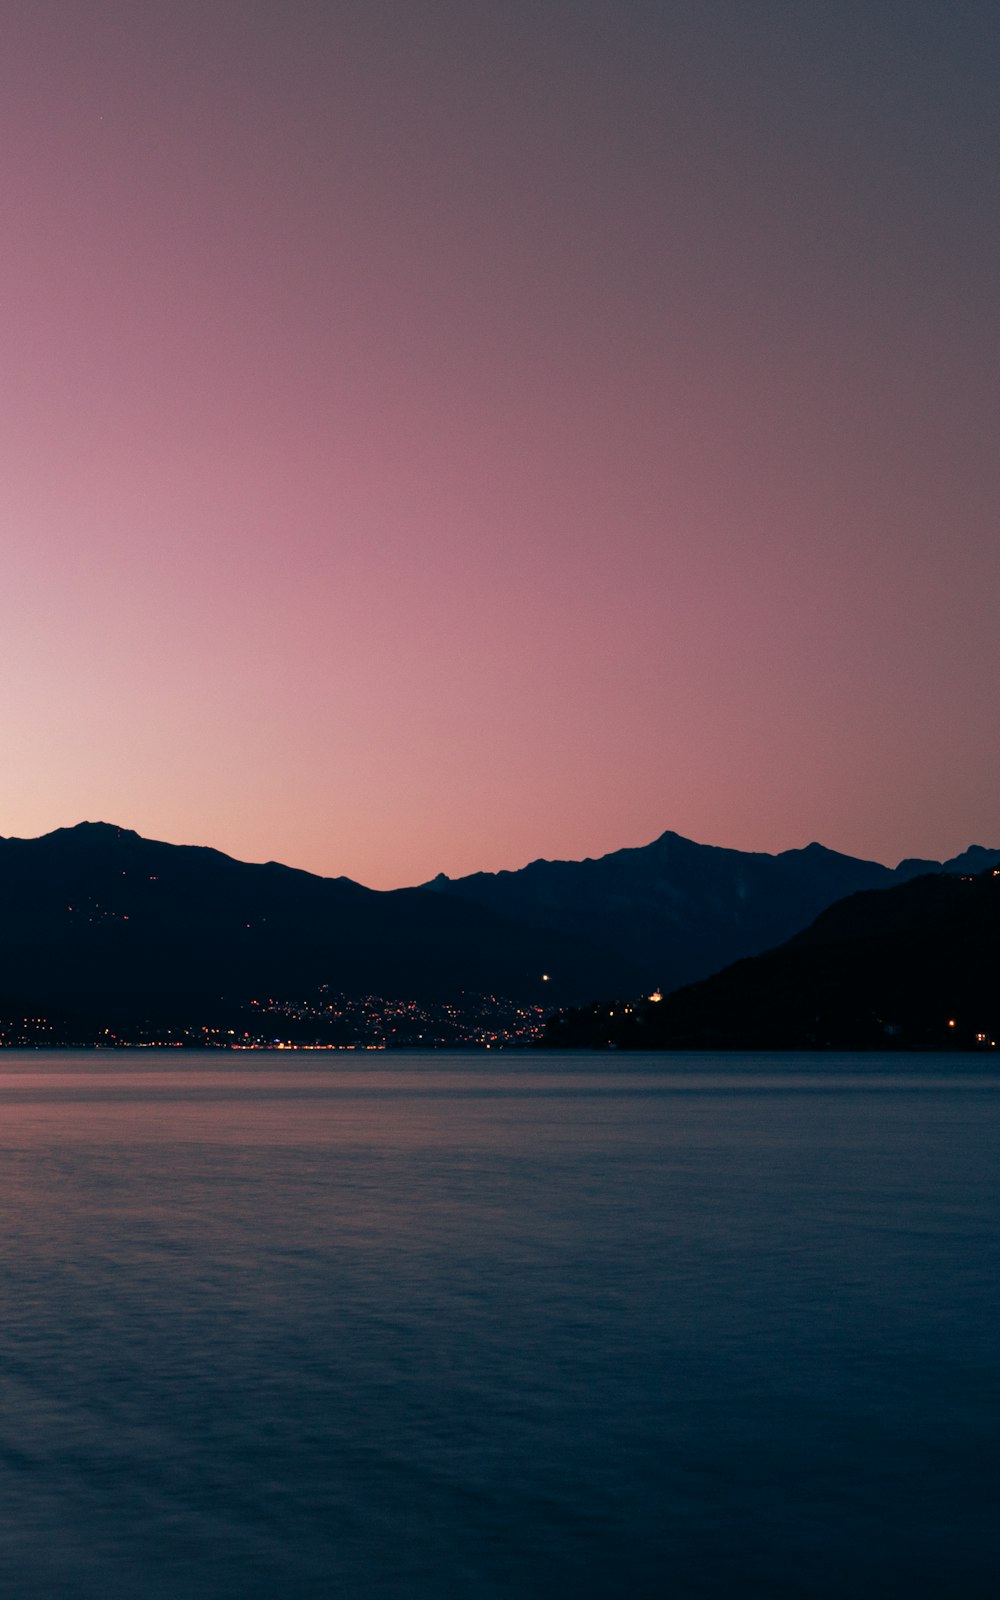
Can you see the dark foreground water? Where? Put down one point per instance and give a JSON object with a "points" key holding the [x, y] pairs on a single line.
{"points": [[297, 1326]]}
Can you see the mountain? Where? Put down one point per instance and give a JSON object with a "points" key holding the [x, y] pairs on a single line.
{"points": [[100, 925], [913, 966], [681, 910], [100, 928]]}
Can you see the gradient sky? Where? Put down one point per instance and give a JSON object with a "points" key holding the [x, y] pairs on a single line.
{"points": [[441, 433]]}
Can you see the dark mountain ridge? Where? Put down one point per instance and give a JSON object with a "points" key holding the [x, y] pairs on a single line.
{"points": [[913, 966], [101, 924], [682, 910]]}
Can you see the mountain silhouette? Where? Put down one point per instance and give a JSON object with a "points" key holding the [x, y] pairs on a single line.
{"points": [[104, 929], [99, 924], [681, 910], [913, 966]]}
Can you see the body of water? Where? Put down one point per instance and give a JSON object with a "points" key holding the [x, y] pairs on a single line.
{"points": [[498, 1326]]}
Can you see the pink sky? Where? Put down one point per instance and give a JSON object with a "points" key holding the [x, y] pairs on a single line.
{"points": [[436, 435]]}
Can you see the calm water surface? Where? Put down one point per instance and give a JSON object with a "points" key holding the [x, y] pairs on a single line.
{"points": [[461, 1326]]}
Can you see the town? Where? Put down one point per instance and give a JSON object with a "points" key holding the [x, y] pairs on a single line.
{"points": [[324, 1021]]}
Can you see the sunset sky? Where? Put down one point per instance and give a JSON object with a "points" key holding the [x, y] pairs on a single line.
{"points": [[441, 433]]}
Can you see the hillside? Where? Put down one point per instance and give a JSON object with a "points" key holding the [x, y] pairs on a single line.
{"points": [[681, 910], [101, 925], [913, 967]]}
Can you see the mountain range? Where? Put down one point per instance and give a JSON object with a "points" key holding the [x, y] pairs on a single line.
{"points": [[681, 911], [102, 929], [913, 967]]}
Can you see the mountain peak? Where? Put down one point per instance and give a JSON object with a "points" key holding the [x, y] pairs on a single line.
{"points": [[96, 833], [977, 858], [101, 829]]}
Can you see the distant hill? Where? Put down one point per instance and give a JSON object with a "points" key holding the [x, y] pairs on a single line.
{"points": [[102, 928], [681, 910], [101, 925], [914, 966]]}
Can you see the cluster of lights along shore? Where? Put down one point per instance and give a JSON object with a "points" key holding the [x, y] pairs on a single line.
{"points": [[371, 1022], [325, 1021]]}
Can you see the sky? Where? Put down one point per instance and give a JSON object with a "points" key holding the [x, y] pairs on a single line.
{"points": [[436, 434]]}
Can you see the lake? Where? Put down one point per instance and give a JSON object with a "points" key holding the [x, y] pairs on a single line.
{"points": [[506, 1325]]}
